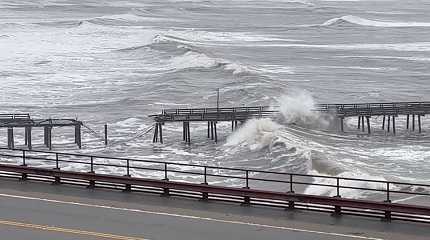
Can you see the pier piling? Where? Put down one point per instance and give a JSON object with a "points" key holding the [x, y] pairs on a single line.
{"points": [[383, 122], [368, 124]]}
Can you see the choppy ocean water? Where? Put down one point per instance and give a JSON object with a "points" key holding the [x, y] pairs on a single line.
{"points": [[116, 62]]}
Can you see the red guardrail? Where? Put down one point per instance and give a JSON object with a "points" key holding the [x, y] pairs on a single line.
{"points": [[126, 168]]}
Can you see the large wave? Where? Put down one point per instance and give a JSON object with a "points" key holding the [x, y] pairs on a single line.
{"points": [[350, 19], [288, 150]]}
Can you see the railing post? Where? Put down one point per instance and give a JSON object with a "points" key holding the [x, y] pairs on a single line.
{"points": [[337, 209], [128, 186], [388, 213], [337, 188], [388, 193], [290, 202], [166, 191], [57, 161], [291, 184], [247, 178], [165, 172], [23, 175], [92, 165], [205, 195], [92, 182], [247, 199], [57, 179], [205, 176], [23, 159]]}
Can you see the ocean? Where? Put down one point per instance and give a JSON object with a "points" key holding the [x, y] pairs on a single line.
{"points": [[118, 61]]}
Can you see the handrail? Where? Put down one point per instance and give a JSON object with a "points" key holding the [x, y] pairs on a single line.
{"points": [[365, 108], [128, 164]]}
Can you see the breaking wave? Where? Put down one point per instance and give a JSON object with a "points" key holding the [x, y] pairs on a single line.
{"points": [[350, 19], [289, 150]]}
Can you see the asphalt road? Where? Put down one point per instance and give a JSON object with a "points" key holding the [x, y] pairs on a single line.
{"points": [[30, 210]]}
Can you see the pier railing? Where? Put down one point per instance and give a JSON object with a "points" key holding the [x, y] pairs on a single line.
{"points": [[8, 116], [211, 179], [370, 109], [213, 114]]}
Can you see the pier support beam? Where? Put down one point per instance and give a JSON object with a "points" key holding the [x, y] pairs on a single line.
{"points": [[407, 121], [160, 131], [362, 123], [394, 125], [383, 122], [78, 137], [388, 123], [155, 138], [359, 123], [413, 122], [188, 133], [106, 134], [368, 124], [212, 130], [341, 124], [10, 139], [216, 134], [419, 123]]}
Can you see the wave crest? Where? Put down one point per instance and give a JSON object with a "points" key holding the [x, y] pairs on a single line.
{"points": [[350, 19]]}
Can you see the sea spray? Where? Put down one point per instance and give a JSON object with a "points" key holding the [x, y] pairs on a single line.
{"points": [[347, 192], [255, 133], [297, 107]]}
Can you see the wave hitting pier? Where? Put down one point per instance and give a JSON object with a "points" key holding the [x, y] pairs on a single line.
{"points": [[210, 115], [413, 111], [12, 121]]}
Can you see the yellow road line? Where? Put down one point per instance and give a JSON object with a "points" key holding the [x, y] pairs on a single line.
{"points": [[67, 230]]}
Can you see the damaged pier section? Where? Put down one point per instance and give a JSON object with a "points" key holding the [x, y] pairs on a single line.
{"points": [[212, 116], [412, 111], [24, 121]]}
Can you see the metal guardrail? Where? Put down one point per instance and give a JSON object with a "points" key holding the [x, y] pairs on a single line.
{"points": [[164, 169], [219, 191]]}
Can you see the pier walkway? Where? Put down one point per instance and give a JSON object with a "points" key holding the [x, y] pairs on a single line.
{"points": [[13, 121], [413, 111], [210, 115], [389, 111]]}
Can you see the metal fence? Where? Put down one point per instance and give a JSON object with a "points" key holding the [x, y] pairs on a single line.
{"points": [[165, 170]]}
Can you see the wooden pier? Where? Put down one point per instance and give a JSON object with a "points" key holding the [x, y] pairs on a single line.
{"points": [[413, 111], [13, 121], [212, 116]]}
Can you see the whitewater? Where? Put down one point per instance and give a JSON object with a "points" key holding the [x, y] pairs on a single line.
{"points": [[117, 62]]}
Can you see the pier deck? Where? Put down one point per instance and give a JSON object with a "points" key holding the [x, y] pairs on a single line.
{"points": [[12, 121], [413, 111], [210, 115]]}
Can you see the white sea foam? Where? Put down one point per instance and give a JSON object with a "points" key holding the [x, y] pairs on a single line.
{"points": [[255, 134], [346, 192], [372, 23], [192, 60], [297, 107]]}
